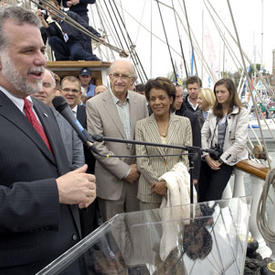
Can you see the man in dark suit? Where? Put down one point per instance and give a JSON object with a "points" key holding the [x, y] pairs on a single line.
{"points": [[196, 132], [72, 143], [38, 195], [67, 42], [71, 90]]}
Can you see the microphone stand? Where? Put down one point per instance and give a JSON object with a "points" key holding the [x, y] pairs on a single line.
{"points": [[193, 151]]}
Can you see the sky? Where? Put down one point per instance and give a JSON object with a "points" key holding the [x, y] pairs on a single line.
{"points": [[156, 60]]}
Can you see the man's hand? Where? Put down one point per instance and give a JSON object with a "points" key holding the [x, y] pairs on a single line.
{"points": [[159, 188], [72, 3], [133, 175], [40, 15], [77, 187]]}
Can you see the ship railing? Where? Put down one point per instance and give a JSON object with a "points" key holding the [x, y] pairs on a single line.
{"points": [[257, 173]]}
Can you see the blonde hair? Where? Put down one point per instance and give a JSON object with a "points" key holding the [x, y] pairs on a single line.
{"points": [[208, 97]]}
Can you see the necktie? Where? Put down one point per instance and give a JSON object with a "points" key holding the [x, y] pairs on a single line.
{"points": [[35, 123]]}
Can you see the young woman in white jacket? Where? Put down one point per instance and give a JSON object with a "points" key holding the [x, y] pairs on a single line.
{"points": [[225, 131]]}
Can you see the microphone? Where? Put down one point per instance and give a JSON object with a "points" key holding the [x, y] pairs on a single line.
{"points": [[65, 110]]}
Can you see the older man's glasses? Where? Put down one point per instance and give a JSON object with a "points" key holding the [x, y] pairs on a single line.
{"points": [[121, 76]]}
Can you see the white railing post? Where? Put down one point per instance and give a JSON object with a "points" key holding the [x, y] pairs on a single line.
{"points": [[239, 188], [238, 185]]}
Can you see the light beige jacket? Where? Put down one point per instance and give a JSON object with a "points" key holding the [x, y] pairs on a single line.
{"points": [[179, 133], [103, 119]]}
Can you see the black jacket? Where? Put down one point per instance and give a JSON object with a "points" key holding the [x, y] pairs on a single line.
{"points": [[73, 33], [34, 227], [196, 134], [80, 8], [187, 107]]}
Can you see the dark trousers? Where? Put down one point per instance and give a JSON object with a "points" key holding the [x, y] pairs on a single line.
{"points": [[72, 50], [213, 182]]}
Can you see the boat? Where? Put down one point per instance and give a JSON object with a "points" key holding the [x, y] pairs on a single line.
{"points": [[195, 51]]}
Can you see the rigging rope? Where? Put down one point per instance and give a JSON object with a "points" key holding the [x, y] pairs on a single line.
{"points": [[143, 77], [45, 4], [261, 219], [180, 42], [190, 38], [248, 80], [166, 38]]}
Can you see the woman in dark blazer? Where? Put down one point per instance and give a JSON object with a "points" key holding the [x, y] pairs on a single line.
{"points": [[161, 127]]}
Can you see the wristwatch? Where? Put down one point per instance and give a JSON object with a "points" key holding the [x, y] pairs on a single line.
{"points": [[220, 161]]}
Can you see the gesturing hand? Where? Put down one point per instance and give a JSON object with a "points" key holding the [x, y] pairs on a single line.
{"points": [[77, 187]]}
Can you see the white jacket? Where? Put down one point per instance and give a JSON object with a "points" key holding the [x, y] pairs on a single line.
{"points": [[234, 149], [177, 207]]}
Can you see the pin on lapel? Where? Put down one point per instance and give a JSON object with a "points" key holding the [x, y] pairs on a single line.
{"points": [[45, 115]]}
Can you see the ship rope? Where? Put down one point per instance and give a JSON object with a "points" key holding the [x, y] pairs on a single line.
{"points": [[134, 56], [180, 41], [248, 81], [166, 38], [45, 4], [261, 219]]}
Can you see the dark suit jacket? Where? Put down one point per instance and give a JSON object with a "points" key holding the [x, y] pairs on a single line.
{"points": [[34, 227], [82, 118], [196, 134], [89, 216]]}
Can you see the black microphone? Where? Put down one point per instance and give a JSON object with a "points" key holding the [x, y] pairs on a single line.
{"points": [[64, 109]]}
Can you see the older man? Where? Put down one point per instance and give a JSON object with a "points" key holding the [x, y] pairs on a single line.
{"points": [[114, 114], [73, 145], [38, 195]]}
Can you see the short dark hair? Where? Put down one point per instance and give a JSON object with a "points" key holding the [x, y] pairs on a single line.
{"points": [[140, 87], [71, 78], [193, 79], [160, 83], [19, 16]]}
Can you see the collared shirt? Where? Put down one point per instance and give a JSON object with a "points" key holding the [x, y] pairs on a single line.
{"points": [[74, 110], [19, 102], [191, 104], [124, 114]]}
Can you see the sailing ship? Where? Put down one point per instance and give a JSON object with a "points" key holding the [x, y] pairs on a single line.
{"points": [[190, 56]]}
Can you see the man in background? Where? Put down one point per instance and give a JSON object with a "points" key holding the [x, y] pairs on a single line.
{"points": [[87, 88], [78, 6], [114, 114], [100, 89], [196, 133], [71, 90], [140, 88], [73, 145], [39, 218], [193, 85], [67, 42]]}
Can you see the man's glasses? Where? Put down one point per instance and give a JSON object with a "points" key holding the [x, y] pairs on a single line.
{"points": [[68, 90], [121, 76]]}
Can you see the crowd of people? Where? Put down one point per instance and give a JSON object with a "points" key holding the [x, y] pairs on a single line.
{"points": [[48, 177]]}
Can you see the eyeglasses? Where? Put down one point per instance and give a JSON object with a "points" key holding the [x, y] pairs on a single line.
{"points": [[67, 90], [121, 76]]}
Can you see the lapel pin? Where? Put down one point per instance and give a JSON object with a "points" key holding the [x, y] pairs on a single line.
{"points": [[45, 115]]}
